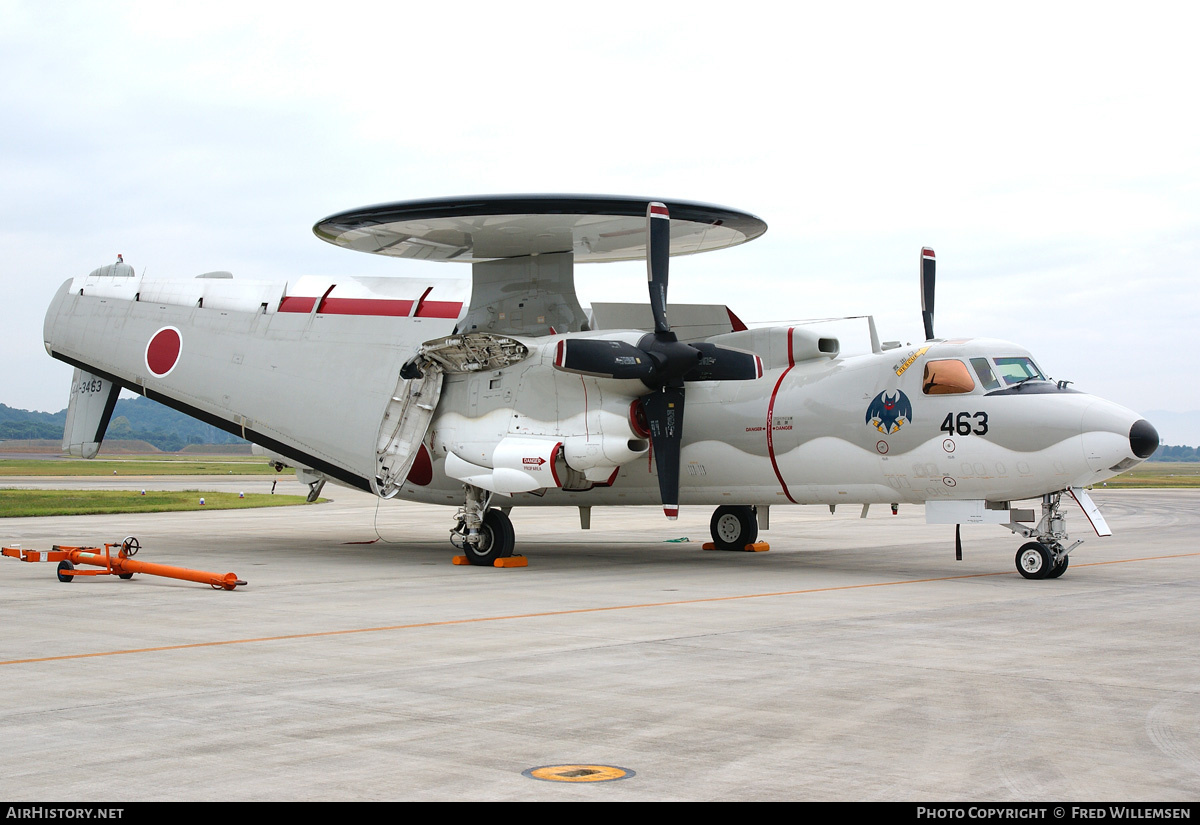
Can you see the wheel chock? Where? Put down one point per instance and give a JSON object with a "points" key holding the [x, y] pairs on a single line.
{"points": [[511, 561], [757, 547]]}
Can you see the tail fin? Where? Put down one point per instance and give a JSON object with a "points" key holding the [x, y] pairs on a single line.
{"points": [[91, 406]]}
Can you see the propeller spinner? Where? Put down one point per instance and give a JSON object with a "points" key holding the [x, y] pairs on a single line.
{"points": [[660, 361]]}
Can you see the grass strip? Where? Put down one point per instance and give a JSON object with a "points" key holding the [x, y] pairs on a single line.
{"points": [[1185, 474], [136, 466], [23, 503]]}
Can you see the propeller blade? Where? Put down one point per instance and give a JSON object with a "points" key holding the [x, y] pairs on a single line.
{"points": [[603, 358], [719, 363], [658, 248], [928, 264], [664, 414]]}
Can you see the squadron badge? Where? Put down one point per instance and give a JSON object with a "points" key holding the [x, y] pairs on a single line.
{"points": [[888, 412]]}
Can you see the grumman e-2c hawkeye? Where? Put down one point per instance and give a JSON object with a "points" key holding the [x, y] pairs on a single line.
{"points": [[518, 397]]}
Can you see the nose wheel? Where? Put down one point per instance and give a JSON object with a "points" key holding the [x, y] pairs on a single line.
{"points": [[1039, 561], [1047, 557], [1059, 568]]}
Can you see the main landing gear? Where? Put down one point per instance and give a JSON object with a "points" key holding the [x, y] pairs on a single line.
{"points": [[1048, 556], [733, 527], [483, 533]]}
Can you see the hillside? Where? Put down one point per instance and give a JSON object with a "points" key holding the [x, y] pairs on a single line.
{"points": [[133, 419]]}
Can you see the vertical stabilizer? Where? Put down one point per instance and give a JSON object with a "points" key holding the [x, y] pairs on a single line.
{"points": [[91, 406]]}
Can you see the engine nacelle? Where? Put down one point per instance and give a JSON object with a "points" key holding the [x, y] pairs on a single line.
{"points": [[781, 346], [495, 425], [597, 456], [519, 464]]}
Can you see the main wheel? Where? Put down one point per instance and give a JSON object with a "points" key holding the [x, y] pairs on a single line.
{"points": [[1035, 561], [496, 540], [63, 567], [733, 528]]}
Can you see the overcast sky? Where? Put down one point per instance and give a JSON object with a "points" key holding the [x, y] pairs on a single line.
{"points": [[1050, 154]]}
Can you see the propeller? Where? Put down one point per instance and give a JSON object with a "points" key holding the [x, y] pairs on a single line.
{"points": [[928, 265], [660, 361]]}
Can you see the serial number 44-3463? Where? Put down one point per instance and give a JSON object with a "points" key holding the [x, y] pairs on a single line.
{"points": [[964, 423]]}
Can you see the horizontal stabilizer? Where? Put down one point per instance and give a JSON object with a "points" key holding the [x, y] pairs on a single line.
{"points": [[88, 411]]}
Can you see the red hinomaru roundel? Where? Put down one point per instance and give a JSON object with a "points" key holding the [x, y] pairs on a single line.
{"points": [[162, 353]]}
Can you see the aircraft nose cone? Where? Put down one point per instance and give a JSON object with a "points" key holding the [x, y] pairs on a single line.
{"points": [[1143, 438], [1115, 438]]}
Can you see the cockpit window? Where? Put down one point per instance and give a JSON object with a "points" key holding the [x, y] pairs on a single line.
{"points": [[1017, 369], [946, 378], [984, 370]]}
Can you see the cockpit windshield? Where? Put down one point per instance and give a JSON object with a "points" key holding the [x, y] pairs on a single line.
{"points": [[1017, 369], [951, 376], [987, 377], [1014, 374]]}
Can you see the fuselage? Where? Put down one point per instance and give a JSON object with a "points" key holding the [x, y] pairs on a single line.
{"points": [[808, 433], [312, 380]]}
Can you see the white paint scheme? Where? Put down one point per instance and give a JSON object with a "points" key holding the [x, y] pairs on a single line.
{"points": [[971, 511], [322, 390], [88, 410], [518, 465]]}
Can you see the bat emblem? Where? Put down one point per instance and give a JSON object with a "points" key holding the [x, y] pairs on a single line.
{"points": [[888, 412]]}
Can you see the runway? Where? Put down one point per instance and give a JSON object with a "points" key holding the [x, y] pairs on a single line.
{"points": [[857, 660]]}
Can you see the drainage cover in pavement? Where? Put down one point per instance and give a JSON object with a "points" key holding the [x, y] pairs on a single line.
{"points": [[578, 773]]}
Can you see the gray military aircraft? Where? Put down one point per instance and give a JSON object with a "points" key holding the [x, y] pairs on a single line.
{"points": [[512, 395]]}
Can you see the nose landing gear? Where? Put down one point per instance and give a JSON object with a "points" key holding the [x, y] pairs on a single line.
{"points": [[1039, 561], [1048, 556]]}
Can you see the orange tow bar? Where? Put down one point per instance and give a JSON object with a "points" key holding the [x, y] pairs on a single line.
{"points": [[121, 564]]}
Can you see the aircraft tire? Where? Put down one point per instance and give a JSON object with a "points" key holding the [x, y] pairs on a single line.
{"points": [[63, 567], [1035, 561], [733, 527], [1059, 568], [497, 539]]}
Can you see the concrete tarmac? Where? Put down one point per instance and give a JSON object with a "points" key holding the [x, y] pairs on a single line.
{"points": [[857, 660]]}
